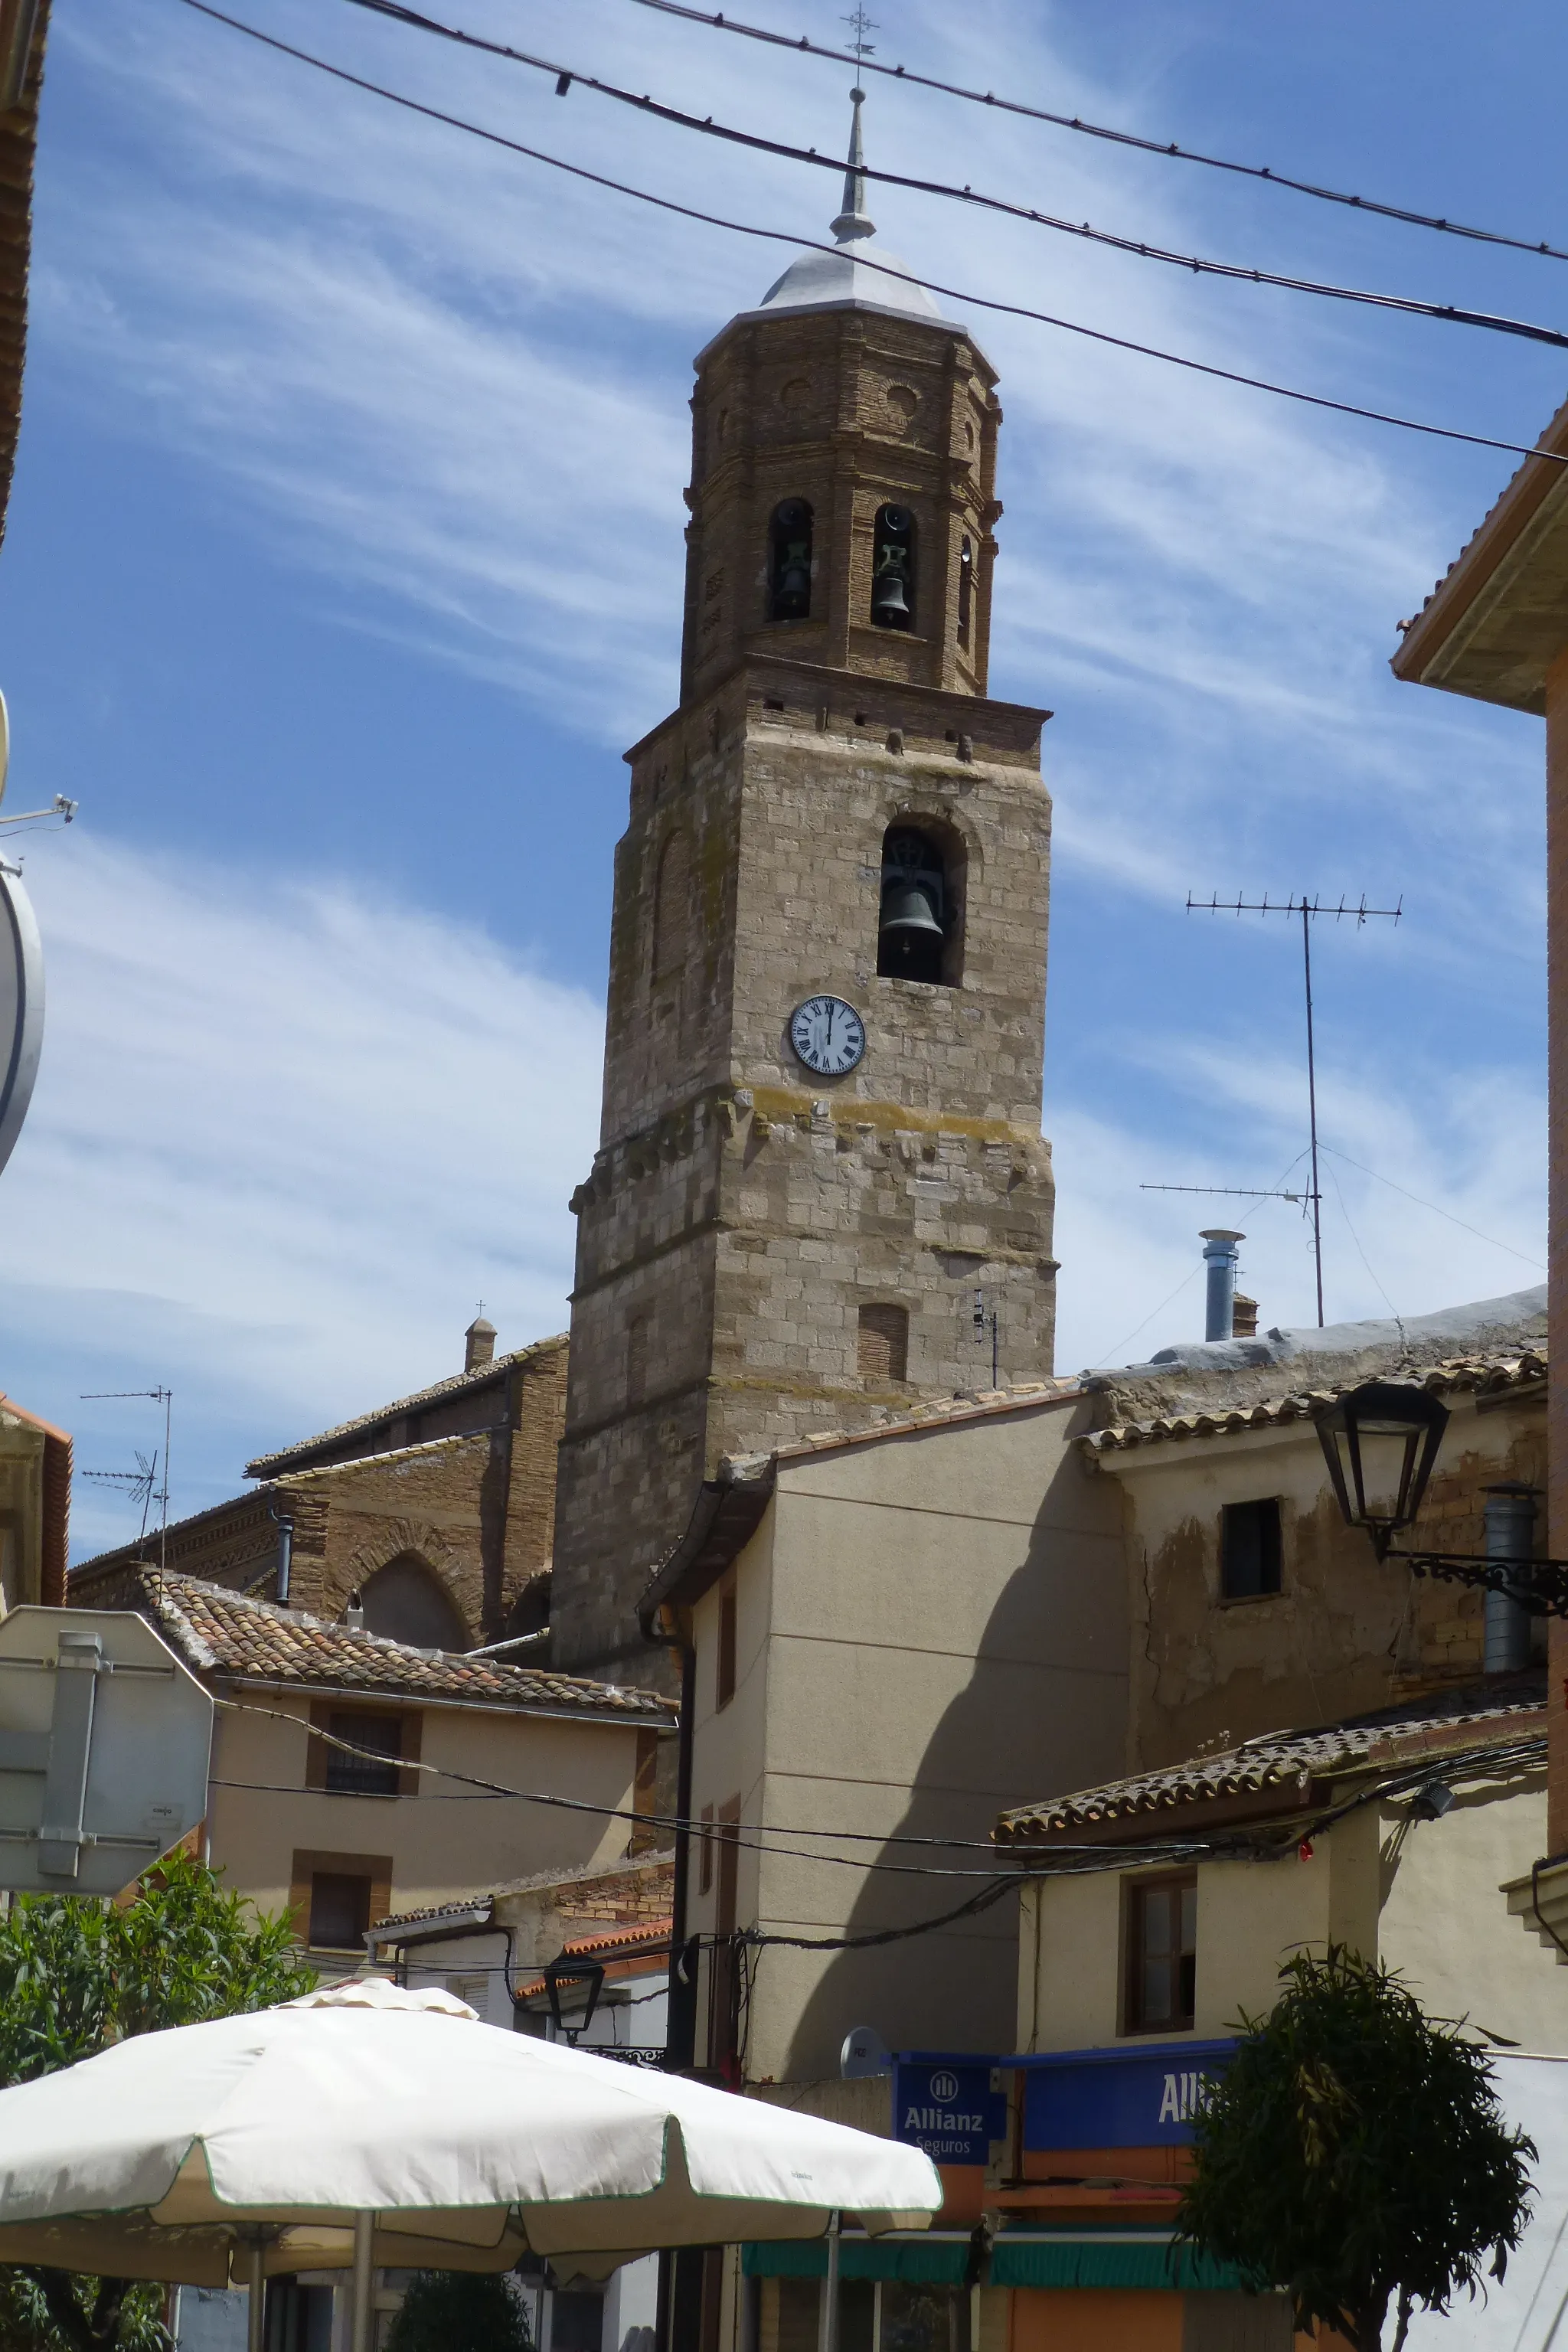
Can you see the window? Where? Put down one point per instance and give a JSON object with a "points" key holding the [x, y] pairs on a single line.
{"points": [[789, 561], [965, 592], [339, 1910], [918, 934], [1249, 1550], [1161, 1953], [893, 569], [364, 1776], [883, 1344], [725, 1690], [576, 2320]]}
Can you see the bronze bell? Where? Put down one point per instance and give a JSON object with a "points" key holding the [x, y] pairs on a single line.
{"points": [[890, 605], [791, 598], [906, 908]]}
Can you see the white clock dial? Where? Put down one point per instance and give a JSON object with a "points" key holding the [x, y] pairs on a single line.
{"points": [[828, 1035]]}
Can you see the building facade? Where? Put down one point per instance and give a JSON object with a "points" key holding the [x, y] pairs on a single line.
{"points": [[34, 1509], [821, 1126], [432, 1518]]}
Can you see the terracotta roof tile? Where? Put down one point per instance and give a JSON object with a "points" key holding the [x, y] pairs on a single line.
{"points": [[1290, 1763], [226, 1632], [1484, 1374]]}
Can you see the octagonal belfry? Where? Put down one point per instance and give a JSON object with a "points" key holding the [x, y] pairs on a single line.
{"points": [[777, 1235]]}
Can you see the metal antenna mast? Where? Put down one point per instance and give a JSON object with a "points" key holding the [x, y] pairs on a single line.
{"points": [[166, 1397], [1360, 914]]}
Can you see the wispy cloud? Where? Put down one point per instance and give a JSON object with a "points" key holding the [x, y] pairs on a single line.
{"points": [[284, 1136]]}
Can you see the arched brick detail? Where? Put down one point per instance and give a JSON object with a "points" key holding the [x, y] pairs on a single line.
{"points": [[459, 1577]]}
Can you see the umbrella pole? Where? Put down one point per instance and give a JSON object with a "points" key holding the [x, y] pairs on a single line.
{"points": [[256, 2295], [363, 2284], [828, 2321]]}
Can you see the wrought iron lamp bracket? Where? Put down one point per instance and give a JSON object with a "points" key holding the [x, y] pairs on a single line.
{"points": [[1539, 1586]]}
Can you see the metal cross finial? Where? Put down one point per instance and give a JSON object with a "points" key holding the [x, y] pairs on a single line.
{"points": [[860, 24]]}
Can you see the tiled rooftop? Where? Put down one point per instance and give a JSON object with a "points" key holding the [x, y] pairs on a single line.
{"points": [[628, 1894], [441, 1393], [1480, 1715], [1485, 1375], [226, 1632]]}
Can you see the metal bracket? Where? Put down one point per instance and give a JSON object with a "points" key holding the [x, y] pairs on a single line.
{"points": [[1539, 1586]]}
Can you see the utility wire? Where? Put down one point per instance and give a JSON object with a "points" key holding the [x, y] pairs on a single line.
{"points": [[1436, 1211], [864, 261], [566, 76], [1167, 147]]}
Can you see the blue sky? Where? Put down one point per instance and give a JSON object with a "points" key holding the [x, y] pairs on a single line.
{"points": [[345, 558]]}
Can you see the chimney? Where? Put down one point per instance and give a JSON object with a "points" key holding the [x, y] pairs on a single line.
{"points": [[479, 1344], [1220, 1256], [1243, 1316]]}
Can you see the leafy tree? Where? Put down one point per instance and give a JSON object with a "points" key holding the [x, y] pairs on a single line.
{"points": [[1354, 2152], [78, 1975], [459, 2311]]}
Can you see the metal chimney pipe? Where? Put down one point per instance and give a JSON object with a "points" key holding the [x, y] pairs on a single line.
{"points": [[1220, 1258], [1509, 1519]]}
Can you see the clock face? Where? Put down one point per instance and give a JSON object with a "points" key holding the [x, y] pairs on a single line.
{"points": [[828, 1035]]}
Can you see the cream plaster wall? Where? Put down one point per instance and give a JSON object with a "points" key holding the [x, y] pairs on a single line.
{"points": [[942, 1622], [441, 1851], [1209, 1673], [1448, 1928], [1422, 1896]]}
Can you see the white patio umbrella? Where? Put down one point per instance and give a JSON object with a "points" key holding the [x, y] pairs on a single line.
{"points": [[368, 2124]]}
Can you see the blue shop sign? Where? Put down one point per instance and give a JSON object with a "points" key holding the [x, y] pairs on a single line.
{"points": [[952, 2107], [1141, 2097]]}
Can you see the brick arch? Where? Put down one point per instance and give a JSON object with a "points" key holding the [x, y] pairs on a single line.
{"points": [[414, 1540]]}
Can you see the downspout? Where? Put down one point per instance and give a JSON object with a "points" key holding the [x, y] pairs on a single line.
{"points": [[285, 1551]]}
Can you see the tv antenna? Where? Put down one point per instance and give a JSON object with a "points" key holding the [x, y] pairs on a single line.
{"points": [[1309, 910], [140, 1485], [159, 1494]]}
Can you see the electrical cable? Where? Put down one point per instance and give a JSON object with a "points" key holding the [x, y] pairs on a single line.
{"points": [[1166, 147], [864, 261], [566, 77], [1436, 1211]]}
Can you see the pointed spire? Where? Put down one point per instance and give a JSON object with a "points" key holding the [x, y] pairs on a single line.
{"points": [[855, 221]]}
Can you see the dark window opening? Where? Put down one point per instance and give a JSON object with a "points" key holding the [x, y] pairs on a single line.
{"points": [[966, 593], [883, 1343], [576, 2321], [725, 1678], [1249, 1550], [893, 569], [340, 1911], [789, 561], [364, 1776], [1161, 1953], [915, 927]]}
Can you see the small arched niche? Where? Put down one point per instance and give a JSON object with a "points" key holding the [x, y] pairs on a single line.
{"points": [[789, 561], [406, 1601], [893, 569], [672, 908], [919, 922]]}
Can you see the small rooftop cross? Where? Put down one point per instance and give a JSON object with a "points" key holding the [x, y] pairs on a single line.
{"points": [[860, 24]]}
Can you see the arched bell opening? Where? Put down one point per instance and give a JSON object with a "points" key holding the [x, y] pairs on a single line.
{"points": [[406, 1601], [789, 561], [919, 928], [893, 569]]}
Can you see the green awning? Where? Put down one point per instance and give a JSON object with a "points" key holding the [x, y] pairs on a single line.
{"points": [[930, 2259], [1104, 2257]]}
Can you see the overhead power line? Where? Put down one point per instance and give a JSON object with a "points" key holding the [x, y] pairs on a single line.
{"points": [[865, 261], [1167, 147], [566, 77]]}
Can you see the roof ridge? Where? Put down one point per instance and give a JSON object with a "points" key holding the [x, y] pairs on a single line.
{"points": [[1514, 1367], [262, 1465]]}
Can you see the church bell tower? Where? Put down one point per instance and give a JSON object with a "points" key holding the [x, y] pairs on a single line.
{"points": [[821, 1125]]}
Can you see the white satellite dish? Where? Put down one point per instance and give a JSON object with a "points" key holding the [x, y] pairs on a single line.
{"points": [[21, 1005], [105, 1737], [5, 744], [864, 2054]]}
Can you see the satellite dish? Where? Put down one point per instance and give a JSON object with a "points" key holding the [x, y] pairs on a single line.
{"points": [[21, 1005], [104, 1740], [5, 744], [864, 2054]]}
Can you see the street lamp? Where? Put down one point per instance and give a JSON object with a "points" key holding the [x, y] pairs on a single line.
{"points": [[1380, 1441], [573, 1986]]}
